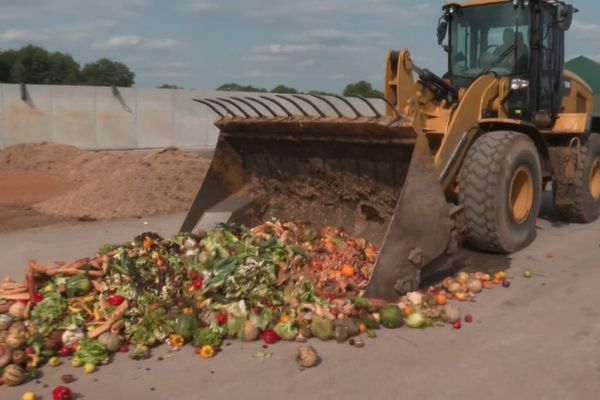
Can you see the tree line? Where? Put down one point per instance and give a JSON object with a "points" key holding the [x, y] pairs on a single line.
{"points": [[360, 88], [34, 64]]}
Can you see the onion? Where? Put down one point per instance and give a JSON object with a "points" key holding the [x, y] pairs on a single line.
{"points": [[462, 277], [450, 314], [454, 287], [474, 285]]}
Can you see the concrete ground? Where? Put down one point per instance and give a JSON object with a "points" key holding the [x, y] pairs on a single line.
{"points": [[539, 339]]}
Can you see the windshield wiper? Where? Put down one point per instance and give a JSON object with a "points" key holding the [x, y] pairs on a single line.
{"points": [[497, 61]]}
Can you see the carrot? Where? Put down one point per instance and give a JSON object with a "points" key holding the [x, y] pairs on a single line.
{"points": [[119, 311]]}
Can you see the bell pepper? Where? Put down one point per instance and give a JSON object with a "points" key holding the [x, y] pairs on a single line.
{"points": [[62, 393], [116, 300], [198, 283], [39, 296]]}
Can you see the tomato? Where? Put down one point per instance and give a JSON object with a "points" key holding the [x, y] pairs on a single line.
{"points": [[64, 352], [269, 337], [456, 325], [221, 318], [62, 393]]}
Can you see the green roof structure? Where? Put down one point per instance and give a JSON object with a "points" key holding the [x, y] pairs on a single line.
{"points": [[589, 71]]}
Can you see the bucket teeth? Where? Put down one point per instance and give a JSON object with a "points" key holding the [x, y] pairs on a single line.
{"points": [[262, 103], [304, 113], [240, 107], [349, 104], [278, 104], [215, 109], [250, 105], [236, 105], [329, 103], [313, 105], [371, 106], [223, 106]]}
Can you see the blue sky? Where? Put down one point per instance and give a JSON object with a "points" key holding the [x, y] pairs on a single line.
{"points": [[307, 44]]}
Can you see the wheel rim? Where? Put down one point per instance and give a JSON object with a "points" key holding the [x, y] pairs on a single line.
{"points": [[595, 179], [521, 194]]}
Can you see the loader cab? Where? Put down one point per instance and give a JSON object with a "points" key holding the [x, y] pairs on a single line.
{"points": [[519, 39]]}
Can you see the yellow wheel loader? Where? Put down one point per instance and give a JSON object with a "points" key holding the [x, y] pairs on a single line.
{"points": [[463, 156]]}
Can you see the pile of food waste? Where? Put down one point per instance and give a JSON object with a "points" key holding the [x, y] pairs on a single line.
{"points": [[276, 281]]}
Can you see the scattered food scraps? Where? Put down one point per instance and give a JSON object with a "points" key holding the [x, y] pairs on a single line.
{"points": [[277, 281]]}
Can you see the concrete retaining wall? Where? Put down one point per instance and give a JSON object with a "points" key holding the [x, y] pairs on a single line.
{"points": [[96, 118], [105, 118]]}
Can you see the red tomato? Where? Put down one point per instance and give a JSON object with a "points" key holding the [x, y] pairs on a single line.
{"points": [[221, 318], [269, 337], [64, 352], [62, 393]]}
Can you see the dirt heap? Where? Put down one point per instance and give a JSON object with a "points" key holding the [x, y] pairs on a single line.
{"points": [[108, 184]]}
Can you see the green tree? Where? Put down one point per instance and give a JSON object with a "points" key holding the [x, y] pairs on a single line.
{"points": [[168, 86], [320, 93], [235, 87], [63, 69], [284, 89], [106, 72], [7, 60], [31, 65], [361, 88]]}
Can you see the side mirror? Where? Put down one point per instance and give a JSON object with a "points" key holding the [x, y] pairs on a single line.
{"points": [[564, 16], [441, 30]]}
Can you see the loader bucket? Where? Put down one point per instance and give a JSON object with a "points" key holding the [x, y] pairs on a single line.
{"points": [[371, 175]]}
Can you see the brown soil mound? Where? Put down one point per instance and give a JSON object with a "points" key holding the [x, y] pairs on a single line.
{"points": [[20, 188], [109, 184]]}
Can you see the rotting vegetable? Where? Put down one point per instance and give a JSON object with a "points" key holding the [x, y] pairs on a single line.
{"points": [[275, 281]]}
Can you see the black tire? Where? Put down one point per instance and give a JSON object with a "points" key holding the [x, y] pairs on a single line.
{"points": [[491, 167], [576, 202]]}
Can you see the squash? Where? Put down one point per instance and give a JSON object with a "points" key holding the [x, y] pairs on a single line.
{"points": [[19, 357], [111, 341], [5, 321], [78, 286], [185, 325], [15, 340], [13, 375], [5, 355], [391, 317]]}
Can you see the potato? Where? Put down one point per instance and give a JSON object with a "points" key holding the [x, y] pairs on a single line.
{"points": [[307, 356]]}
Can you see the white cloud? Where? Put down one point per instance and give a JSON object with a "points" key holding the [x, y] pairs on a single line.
{"points": [[124, 41], [19, 35]]}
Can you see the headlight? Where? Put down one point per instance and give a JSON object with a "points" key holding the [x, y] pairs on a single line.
{"points": [[518, 83]]}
